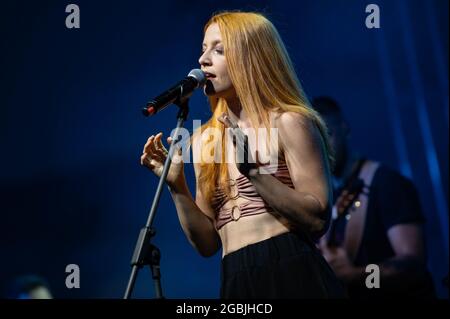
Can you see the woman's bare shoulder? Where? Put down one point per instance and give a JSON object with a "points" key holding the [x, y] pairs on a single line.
{"points": [[290, 119]]}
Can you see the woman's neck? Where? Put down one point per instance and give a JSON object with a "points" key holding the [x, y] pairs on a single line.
{"points": [[236, 112]]}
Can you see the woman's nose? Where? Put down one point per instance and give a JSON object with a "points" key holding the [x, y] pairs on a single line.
{"points": [[204, 59]]}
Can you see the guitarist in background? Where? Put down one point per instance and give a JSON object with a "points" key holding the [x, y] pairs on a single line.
{"points": [[376, 219]]}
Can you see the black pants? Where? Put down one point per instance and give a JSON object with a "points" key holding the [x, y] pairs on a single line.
{"points": [[285, 266]]}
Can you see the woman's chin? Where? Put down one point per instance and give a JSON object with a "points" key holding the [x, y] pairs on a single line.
{"points": [[209, 89]]}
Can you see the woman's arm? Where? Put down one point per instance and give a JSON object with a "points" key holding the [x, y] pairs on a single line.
{"points": [[308, 205], [196, 219], [196, 224]]}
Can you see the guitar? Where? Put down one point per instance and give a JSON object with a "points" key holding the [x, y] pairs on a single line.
{"points": [[352, 188]]}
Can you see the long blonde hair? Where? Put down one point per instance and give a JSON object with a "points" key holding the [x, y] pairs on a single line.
{"points": [[253, 47]]}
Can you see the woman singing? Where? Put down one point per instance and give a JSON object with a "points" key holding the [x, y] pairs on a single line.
{"points": [[265, 223]]}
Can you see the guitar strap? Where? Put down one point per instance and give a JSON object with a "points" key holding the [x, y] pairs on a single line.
{"points": [[357, 213]]}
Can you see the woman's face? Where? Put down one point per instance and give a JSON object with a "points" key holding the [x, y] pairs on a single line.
{"points": [[214, 64]]}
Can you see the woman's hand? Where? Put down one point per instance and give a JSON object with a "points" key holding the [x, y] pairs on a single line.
{"points": [[154, 155], [248, 166]]}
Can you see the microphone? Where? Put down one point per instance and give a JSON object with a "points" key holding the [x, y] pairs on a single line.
{"points": [[195, 79]]}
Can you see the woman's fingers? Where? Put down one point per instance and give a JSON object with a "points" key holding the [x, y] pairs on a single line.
{"points": [[159, 149], [258, 160], [147, 144], [221, 119], [178, 148], [151, 150], [151, 145], [155, 150], [147, 161], [225, 120], [148, 149], [159, 143], [159, 146]]}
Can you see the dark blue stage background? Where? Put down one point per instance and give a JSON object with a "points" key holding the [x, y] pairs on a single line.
{"points": [[72, 189]]}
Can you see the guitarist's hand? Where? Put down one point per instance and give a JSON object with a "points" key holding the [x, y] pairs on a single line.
{"points": [[339, 261]]}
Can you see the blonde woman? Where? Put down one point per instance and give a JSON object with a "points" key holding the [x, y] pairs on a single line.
{"points": [[264, 223]]}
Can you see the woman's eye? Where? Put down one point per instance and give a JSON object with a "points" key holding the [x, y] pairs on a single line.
{"points": [[218, 51]]}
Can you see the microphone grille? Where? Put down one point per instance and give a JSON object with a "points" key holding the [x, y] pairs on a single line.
{"points": [[199, 76]]}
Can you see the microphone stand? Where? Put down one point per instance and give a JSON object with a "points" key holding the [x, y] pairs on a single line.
{"points": [[145, 253]]}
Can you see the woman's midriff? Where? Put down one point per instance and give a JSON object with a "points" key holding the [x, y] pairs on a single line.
{"points": [[251, 229]]}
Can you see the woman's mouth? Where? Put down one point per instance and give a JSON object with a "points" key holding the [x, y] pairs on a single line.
{"points": [[209, 75]]}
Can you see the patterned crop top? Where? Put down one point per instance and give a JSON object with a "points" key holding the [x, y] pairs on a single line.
{"points": [[241, 187]]}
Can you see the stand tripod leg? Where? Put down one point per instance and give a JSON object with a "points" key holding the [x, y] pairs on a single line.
{"points": [[145, 253], [156, 270]]}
